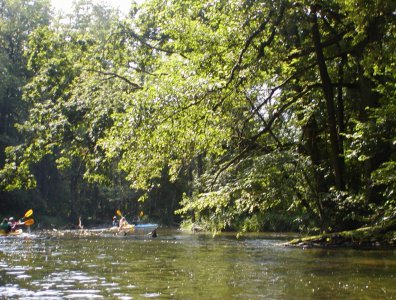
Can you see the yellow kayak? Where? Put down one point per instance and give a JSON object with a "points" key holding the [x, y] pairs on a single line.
{"points": [[12, 233]]}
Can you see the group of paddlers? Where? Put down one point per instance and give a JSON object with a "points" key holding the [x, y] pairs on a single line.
{"points": [[10, 224], [122, 222], [119, 223]]}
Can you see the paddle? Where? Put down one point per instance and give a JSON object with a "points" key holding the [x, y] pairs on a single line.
{"points": [[118, 212], [28, 214], [29, 222]]}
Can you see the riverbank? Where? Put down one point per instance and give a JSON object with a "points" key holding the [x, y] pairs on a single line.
{"points": [[374, 237]]}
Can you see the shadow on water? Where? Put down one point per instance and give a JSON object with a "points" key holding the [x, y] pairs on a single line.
{"points": [[179, 265]]}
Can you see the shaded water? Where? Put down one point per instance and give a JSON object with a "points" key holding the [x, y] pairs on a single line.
{"points": [[188, 266]]}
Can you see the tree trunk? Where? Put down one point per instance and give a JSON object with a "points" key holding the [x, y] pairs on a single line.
{"points": [[336, 158], [311, 146]]}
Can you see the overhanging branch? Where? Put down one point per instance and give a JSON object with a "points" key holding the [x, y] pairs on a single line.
{"points": [[247, 150], [112, 74]]}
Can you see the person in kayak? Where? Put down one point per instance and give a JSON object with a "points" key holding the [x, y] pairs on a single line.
{"points": [[115, 221], [123, 222], [5, 226], [13, 224], [135, 220]]}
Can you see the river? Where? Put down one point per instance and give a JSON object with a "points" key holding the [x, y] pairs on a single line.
{"points": [[178, 265]]}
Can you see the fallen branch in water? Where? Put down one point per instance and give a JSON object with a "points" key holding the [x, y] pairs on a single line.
{"points": [[380, 236]]}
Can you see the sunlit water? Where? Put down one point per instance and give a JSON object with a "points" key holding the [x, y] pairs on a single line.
{"points": [[189, 266]]}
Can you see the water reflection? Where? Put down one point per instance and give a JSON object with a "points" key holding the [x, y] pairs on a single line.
{"points": [[185, 266]]}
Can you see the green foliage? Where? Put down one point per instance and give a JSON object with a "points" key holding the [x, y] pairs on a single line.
{"points": [[267, 89], [255, 110], [248, 191], [17, 20]]}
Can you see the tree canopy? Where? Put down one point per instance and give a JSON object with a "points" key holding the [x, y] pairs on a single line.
{"points": [[254, 115]]}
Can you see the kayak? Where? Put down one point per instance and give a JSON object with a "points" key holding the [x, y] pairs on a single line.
{"points": [[132, 229], [12, 233], [125, 230], [145, 228]]}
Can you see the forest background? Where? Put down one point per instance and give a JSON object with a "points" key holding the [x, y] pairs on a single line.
{"points": [[234, 115]]}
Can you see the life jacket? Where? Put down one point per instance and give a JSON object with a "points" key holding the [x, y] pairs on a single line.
{"points": [[5, 227]]}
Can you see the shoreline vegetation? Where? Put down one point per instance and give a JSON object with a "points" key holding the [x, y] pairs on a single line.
{"points": [[382, 236], [372, 237]]}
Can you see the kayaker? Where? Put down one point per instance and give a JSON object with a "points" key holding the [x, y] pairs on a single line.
{"points": [[13, 224], [123, 222], [5, 226], [115, 221], [80, 225], [135, 220]]}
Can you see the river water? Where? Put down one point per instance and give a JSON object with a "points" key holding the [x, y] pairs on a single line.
{"points": [[178, 265]]}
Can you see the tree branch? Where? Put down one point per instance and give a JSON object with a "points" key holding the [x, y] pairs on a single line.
{"points": [[266, 129], [135, 85], [254, 34], [143, 41]]}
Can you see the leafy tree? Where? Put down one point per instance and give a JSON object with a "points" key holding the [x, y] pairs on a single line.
{"points": [[239, 81], [59, 131], [17, 20], [253, 108]]}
